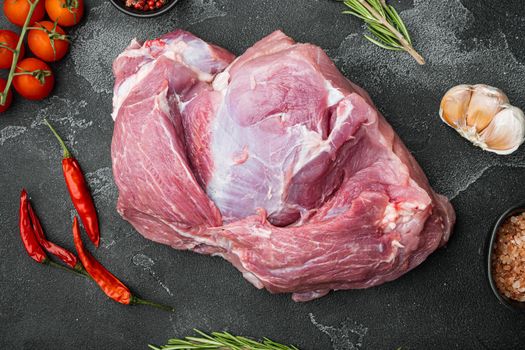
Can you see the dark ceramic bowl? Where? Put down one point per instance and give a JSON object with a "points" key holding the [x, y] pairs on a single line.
{"points": [[119, 4], [512, 304]]}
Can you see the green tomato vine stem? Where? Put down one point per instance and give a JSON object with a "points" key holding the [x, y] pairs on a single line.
{"points": [[4, 46], [16, 52], [52, 35]]}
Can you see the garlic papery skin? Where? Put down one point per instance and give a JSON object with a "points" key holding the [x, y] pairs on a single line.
{"points": [[482, 114]]}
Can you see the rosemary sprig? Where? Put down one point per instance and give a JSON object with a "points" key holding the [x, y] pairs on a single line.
{"points": [[387, 28], [221, 341]]}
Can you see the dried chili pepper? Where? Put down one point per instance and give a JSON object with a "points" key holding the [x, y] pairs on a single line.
{"points": [[27, 233], [79, 191], [63, 254], [109, 284]]}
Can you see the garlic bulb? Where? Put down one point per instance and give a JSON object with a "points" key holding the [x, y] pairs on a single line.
{"points": [[483, 115]]}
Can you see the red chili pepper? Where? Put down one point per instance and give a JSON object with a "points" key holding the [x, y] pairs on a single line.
{"points": [[63, 254], [109, 284], [113, 288], [79, 191], [27, 233]]}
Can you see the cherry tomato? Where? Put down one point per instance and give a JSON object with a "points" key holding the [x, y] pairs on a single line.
{"points": [[41, 42], [10, 39], [66, 12], [9, 99], [16, 11], [33, 86]]}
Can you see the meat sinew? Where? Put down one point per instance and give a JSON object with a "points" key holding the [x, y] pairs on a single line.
{"points": [[272, 160]]}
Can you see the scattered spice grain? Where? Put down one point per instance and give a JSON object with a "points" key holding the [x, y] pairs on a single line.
{"points": [[145, 5], [508, 258]]}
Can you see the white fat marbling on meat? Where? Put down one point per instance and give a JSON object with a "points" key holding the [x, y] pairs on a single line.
{"points": [[400, 213], [123, 90], [334, 95], [177, 51], [310, 145], [220, 83]]}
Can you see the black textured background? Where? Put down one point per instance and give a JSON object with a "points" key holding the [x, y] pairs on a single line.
{"points": [[443, 304]]}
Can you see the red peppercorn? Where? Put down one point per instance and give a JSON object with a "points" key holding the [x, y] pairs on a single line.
{"points": [[145, 5]]}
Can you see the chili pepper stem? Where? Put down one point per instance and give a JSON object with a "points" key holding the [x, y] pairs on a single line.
{"points": [[81, 271], [138, 301], [67, 154], [16, 52], [80, 268], [61, 267]]}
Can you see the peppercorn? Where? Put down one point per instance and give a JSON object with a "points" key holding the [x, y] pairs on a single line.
{"points": [[145, 5]]}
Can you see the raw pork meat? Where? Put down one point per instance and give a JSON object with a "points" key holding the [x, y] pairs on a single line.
{"points": [[272, 160]]}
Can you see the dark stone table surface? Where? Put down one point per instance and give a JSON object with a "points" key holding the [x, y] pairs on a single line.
{"points": [[443, 304]]}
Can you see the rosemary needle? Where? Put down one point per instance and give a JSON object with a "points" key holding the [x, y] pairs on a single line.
{"points": [[221, 341], [387, 28]]}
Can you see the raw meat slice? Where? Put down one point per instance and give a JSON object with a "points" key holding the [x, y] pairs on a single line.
{"points": [[272, 160], [156, 169]]}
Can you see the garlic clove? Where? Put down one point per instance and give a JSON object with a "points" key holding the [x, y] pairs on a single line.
{"points": [[484, 103], [482, 114], [506, 132], [454, 105]]}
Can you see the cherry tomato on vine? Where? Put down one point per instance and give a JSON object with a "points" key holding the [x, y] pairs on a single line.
{"points": [[16, 11], [9, 99], [66, 12], [33, 79], [49, 43], [9, 39]]}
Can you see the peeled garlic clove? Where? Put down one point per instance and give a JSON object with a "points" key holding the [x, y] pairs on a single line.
{"points": [[484, 103], [506, 131], [454, 105]]}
